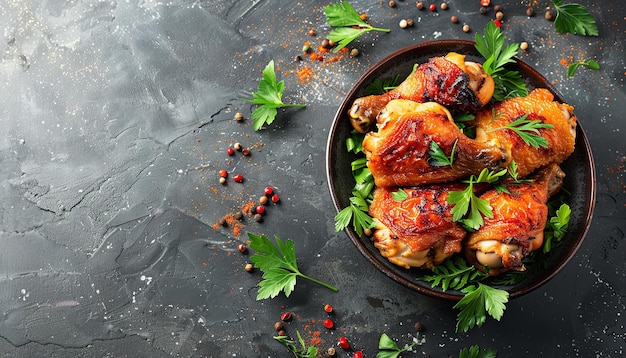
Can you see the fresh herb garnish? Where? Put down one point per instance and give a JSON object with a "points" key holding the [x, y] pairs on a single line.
{"points": [[479, 301], [269, 98], [279, 266], [477, 352], [556, 227], [528, 130], [508, 83], [575, 19], [354, 143], [381, 86], [454, 273], [572, 68], [299, 352], [355, 213], [399, 195], [348, 24], [468, 208], [438, 156], [389, 349]]}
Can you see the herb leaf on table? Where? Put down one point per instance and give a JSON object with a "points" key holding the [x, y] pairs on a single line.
{"points": [[279, 266], [572, 68], [575, 19], [348, 24], [477, 352], [268, 97], [479, 301]]}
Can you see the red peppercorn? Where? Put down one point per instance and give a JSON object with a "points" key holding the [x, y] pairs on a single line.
{"points": [[343, 343], [328, 323], [497, 22], [357, 354], [286, 316], [260, 209], [242, 248], [238, 178], [268, 190], [485, 2], [432, 7], [230, 151], [328, 308], [275, 198], [223, 173]]}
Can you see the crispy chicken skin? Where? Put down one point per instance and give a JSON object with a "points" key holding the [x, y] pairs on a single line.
{"points": [[398, 153], [538, 105], [450, 81], [417, 231], [516, 228]]}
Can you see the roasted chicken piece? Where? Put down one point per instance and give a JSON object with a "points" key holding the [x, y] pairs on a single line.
{"points": [[417, 231], [516, 228], [450, 81], [398, 153], [538, 105]]}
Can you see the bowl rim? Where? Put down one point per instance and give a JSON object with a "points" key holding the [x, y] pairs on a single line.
{"points": [[372, 257]]}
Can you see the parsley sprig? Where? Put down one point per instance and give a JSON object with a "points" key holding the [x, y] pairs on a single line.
{"points": [[508, 83], [477, 352], [389, 349], [528, 130], [556, 227], [454, 273], [438, 156], [302, 351], [575, 19], [348, 24], [279, 266], [269, 98], [572, 68], [479, 300]]}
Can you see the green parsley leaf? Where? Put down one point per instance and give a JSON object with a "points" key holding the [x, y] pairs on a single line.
{"points": [[528, 130], [399, 195], [591, 64], [279, 266], [268, 97], [389, 349], [575, 19], [355, 213], [556, 227], [381, 86], [477, 352], [354, 143], [348, 24], [438, 156], [454, 273], [479, 301], [508, 83], [299, 352], [468, 208]]}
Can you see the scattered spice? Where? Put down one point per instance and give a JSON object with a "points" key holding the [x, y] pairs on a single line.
{"points": [[444, 6], [331, 351], [466, 28], [238, 117], [485, 2], [258, 218], [249, 267], [305, 73], [409, 22], [420, 5], [222, 180], [245, 151], [483, 10], [549, 15], [328, 308], [223, 173], [432, 7], [523, 46], [278, 325], [242, 248], [392, 3], [275, 198], [530, 11], [238, 178], [354, 52], [454, 19], [329, 324], [499, 15], [403, 24], [268, 190], [263, 200], [230, 151], [286, 316], [343, 343], [497, 8], [237, 146]]}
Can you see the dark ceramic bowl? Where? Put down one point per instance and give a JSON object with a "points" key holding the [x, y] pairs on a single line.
{"points": [[579, 169]]}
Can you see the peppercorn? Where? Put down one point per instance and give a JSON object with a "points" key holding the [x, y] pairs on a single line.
{"points": [[497, 8], [331, 351], [367, 232], [286, 316], [222, 222], [328, 308], [403, 24], [245, 151], [343, 343], [392, 3], [223, 173], [331, 43], [222, 180], [258, 218], [263, 200], [238, 178], [249, 267], [238, 215], [523, 46], [357, 354], [237, 146], [444, 6], [328, 323], [418, 326], [454, 19], [230, 151], [497, 23], [549, 15], [420, 5], [466, 28], [432, 7], [260, 209], [499, 15], [409, 22], [278, 325], [325, 43], [282, 332], [485, 2], [530, 11], [298, 58], [238, 117], [311, 32], [242, 248], [275, 198], [483, 10], [354, 52]]}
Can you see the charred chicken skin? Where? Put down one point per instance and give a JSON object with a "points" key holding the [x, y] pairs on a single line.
{"points": [[450, 81], [417, 231], [398, 153], [516, 228], [538, 105]]}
